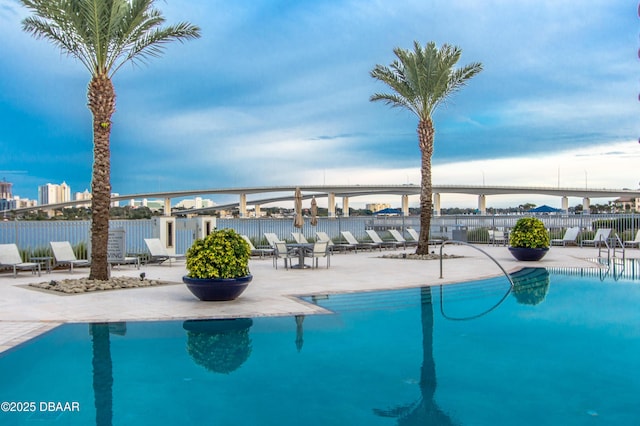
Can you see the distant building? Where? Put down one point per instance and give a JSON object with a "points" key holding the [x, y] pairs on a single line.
{"points": [[196, 203], [52, 193], [5, 190], [627, 204], [376, 207], [8, 201]]}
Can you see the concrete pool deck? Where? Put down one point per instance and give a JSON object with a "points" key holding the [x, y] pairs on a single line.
{"points": [[26, 312]]}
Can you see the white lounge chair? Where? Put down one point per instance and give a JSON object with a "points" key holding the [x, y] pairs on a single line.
{"points": [[602, 235], [570, 237], [10, 257], [272, 239], [257, 251], [497, 237], [322, 236], [299, 238], [63, 255], [376, 239], [399, 238], [352, 241], [413, 234], [158, 253], [635, 242]]}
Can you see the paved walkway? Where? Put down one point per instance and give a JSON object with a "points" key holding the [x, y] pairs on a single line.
{"points": [[25, 313]]}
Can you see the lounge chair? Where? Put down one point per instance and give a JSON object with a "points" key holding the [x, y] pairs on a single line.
{"points": [[570, 237], [320, 249], [10, 257], [159, 254], [497, 238], [322, 236], [125, 260], [635, 242], [272, 239], [602, 235], [257, 251], [416, 237], [352, 241], [413, 234], [299, 238], [63, 255], [376, 239], [399, 238]]}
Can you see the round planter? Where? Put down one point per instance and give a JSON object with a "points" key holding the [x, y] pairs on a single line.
{"points": [[528, 254], [217, 289]]}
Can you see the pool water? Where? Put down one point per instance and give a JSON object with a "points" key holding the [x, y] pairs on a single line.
{"points": [[557, 349]]}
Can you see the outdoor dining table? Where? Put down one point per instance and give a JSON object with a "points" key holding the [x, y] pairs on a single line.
{"points": [[301, 249]]}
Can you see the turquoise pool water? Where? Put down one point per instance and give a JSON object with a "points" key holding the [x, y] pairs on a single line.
{"points": [[558, 349]]}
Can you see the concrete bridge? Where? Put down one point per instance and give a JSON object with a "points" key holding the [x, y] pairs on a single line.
{"points": [[271, 194]]}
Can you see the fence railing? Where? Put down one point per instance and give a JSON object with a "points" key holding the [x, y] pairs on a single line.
{"points": [[31, 236]]}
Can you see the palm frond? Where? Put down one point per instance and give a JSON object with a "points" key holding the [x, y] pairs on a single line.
{"points": [[104, 34], [423, 78]]}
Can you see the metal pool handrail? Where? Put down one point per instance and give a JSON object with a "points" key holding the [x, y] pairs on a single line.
{"points": [[480, 250], [490, 309]]}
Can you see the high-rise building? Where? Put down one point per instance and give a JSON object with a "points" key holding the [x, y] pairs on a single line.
{"points": [[5, 190], [52, 193]]}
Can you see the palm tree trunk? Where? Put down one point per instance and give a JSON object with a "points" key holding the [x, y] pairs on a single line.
{"points": [[102, 101], [425, 140]]}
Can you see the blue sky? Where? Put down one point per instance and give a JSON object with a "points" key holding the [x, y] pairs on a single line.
{"points": [[276, 92]]}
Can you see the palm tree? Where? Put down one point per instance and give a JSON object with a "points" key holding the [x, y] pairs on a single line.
{"points": [[421, 81], [103, 35]]}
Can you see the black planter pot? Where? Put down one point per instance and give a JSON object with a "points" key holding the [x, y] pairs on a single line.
{"points": [[528, 254], [217, 289]]}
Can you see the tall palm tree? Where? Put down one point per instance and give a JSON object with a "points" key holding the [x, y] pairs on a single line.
{"points": [[103, 35], [421, 81]]}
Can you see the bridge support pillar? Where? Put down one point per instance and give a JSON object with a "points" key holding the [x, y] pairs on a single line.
{"points": [[436, 204], [565, 204], [482, 204], [242, 207], [257, 209], [586, 205], [345, 206], [405, 205], [331, 205], [167, 207]]}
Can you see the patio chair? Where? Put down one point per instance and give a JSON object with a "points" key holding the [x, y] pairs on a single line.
{"points": [[299, 238], [272, 239], [257, 251], [570, 237], [635, 242], [602, 235], [320, 249], [282, 252], [322, 236], [10, 257], [399, 238], [352, 241], [376, 239], [158, 253], [63, 255]]}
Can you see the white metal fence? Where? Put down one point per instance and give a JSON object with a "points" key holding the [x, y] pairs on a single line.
{"points": [[31, 236]]}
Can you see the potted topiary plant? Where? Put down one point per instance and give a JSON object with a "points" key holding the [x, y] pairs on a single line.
{"points": [[529, 239], [218, 266]]}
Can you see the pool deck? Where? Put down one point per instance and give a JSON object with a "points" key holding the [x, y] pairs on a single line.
{"points": [[26, 313]]}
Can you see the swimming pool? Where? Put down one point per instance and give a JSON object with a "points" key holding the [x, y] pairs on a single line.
{"points": [[558, 349]]}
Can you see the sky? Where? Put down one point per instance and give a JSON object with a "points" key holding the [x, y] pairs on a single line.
{"points": [[276, 92]]}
